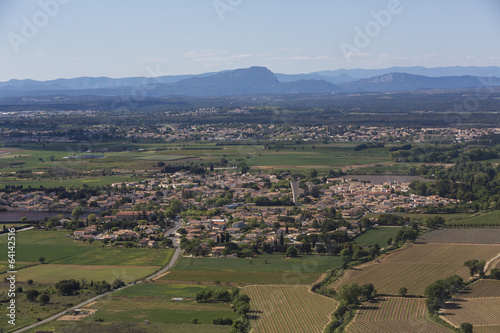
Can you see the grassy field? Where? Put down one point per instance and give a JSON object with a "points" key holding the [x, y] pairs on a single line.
{"points": [[479, 305], [66, 258], [283, 309], [377, 235], [126, 310], [49, 273], [277, 270], [52, 245], [28, 312], [393, 315], [120, 257], [417, 266]]}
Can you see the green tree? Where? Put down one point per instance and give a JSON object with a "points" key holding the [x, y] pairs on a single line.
{"points": [[495, 272], [403, 291], [349, 293], [466, 328], [77, 212], [292, 252], [91, 218], [44, 299], [32, 294], [475, 266], [345, 258], [41, 260], [241, 325], [367, 291]]}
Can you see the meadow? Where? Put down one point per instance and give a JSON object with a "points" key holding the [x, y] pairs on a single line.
{"points": [[393, 315], [66, 258], [130, 307], [377, 235], [417, 266], [264, 269], [283, 309], [29, 312]]}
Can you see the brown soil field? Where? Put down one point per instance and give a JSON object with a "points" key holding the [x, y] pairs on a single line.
{"points": [[393, 315], [463, 236], [479, 305], [417, 266], [284, 309]]}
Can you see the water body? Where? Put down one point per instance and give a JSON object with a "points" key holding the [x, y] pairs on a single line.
{"points": [[32, 216]]}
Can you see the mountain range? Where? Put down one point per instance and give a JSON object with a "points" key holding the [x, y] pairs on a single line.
{"points": [[261, 81]]}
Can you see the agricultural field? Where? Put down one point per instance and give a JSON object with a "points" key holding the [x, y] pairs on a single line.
{"points": [[419, 218], [66, 258], [393, 315], [478, 220], [29, 312], [478, 305], [128, 159], [463, 236], [129, 308], [377, 235], [265, 269], [279, 308], [49, 273], [417, 266]]}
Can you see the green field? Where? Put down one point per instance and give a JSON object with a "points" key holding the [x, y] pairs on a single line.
{"points": [[163, 290], [52, 245], [153, 302], [419, 218], [28, 312], [277, 270], [120, 256], [66, 258], [476, 220], [377, 235], [52, 273], [128, 159]]}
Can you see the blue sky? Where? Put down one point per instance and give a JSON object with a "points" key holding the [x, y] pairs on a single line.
{"points": [[119, 38]]}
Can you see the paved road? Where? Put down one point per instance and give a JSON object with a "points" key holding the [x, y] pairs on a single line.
{"points": [[93, 299]]}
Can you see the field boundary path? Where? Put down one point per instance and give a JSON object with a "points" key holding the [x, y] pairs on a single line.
{"points": [[489, 262], [177, 226], [28, 228]]}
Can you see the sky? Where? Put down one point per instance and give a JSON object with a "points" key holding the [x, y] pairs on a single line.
{"points": [[48, 39]]}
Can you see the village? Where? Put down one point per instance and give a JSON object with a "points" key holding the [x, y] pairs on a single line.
{"points": [[225, 205]]}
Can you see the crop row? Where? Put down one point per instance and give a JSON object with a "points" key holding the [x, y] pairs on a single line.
{"points": [[288, 309], [396, 326], [482, 288], [394, 308], [477, 311]]}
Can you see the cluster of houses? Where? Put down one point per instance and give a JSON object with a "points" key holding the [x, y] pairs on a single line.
{"points": [[267, 132], [240, 219]]}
